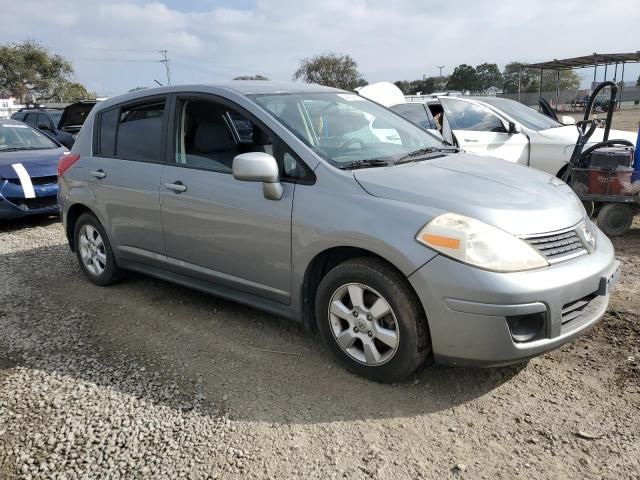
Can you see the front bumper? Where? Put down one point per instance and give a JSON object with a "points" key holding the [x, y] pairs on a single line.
{"points": [[13, 203], [468, 308]]}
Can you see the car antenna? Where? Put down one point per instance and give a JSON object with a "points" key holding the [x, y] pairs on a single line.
{"points": [[158, 82]]}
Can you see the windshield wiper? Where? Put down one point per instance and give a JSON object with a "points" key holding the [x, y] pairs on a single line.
{"points": [[372, 162], [424, 152]]}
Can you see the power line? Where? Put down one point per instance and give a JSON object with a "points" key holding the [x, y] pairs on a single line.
{"points": [[133, 60]]}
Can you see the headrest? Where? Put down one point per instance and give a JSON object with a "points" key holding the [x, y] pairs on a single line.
{"points": [[212, 137]]}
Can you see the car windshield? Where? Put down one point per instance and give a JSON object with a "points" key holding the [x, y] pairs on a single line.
{"points": [[18, 136], [347, 129], [526, 116]]}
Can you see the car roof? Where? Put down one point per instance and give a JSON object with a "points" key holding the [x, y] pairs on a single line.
{"points": [[242, 87]]}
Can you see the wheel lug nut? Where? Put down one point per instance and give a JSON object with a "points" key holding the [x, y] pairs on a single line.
{"points": [[370, 334], [355, 314], [369, 317], [355, 329]]}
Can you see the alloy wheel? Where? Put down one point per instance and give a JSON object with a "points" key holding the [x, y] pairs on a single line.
{"points": [[92, 250]]}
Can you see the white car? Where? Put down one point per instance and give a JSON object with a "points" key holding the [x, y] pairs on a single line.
{"points": [[507, 129], [499, 127]]}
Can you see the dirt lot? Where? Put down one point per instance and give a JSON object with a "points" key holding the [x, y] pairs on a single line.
{"points": [[627, 119], [149, 380]]}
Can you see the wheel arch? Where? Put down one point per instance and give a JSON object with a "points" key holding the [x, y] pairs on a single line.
{"points": [[72, 216], [320, 265]]}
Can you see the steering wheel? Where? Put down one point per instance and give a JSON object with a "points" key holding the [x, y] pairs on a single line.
{"points": [[350, 142]]}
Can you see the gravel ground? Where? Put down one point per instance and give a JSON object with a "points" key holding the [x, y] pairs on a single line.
{"points": [[145, 379]]}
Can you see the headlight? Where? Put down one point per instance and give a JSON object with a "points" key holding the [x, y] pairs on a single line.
{"points": [[476, 243]]}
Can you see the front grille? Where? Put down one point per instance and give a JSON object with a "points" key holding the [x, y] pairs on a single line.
{"points": [[34, 203], [579, 311], [49, 180], [558, 246]]}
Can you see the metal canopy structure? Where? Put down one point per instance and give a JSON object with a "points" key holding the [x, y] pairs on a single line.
{"points": [[594, 60]]}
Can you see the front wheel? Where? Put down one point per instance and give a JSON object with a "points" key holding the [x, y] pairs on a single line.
{"points": [[614, 219], [369, 317]]}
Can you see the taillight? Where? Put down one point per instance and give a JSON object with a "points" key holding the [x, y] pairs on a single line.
{"points": [[65, 162]]}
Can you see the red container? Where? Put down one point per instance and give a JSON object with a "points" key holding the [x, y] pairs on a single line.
{"points": [[605, 182]]}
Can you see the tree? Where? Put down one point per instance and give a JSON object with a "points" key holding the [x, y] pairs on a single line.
{"points": [[331, 70], [488, 75], [510, 77], [29, 68], [424, 85], [251, 77], [569, 80], [464, 77], [72, 92]]}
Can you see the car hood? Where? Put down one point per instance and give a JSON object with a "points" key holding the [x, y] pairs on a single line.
{"points": [[517, 199], [569, 135], [37, 163]]}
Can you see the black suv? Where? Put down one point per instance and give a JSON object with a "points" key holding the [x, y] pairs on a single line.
{"points": [[61, 124], [46, 120]]}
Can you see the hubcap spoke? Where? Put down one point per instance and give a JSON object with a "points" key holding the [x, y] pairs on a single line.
{"points": [[102, 258], [380, 308], [386, 336], [371, 353], [346, 339], [340, 310], [356, 294]]}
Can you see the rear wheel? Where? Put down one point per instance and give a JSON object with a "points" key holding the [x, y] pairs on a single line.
{"points": [[369, 317], [93, 251], [614, 219]]}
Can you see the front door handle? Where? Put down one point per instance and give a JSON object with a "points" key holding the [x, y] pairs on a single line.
{"points": [[470, 140], [177, 187], [98, 173]]}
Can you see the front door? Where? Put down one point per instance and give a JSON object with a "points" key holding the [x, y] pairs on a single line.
{"points": [[217, 228], [479, 130]]}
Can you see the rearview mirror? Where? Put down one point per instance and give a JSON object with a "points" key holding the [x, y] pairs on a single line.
{"points": [[567, 120], [43, 126], [513, 128], [259, 167]]}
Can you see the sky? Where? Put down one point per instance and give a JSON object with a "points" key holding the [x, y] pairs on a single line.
{"points": [[114, 45]]}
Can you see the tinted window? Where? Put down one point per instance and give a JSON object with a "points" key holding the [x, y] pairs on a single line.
{"points": [[414, 112], [18, 116], [108, 126], [467, 116], [31, 119], [140, 132], [43, 119]]}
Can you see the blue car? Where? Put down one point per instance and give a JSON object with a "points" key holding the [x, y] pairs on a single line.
{"points": [[28, 177]]}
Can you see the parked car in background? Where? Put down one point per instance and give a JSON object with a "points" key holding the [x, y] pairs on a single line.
{"points": [[28, 162], [46, 120], [499, 127], [337, 213], [74, 115]]}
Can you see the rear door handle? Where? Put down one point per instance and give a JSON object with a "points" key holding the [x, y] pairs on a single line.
{"points": [[98, 173], [470, 140], [177, 187]]}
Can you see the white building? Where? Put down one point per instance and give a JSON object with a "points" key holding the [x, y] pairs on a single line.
{"points": [[8, 106]]}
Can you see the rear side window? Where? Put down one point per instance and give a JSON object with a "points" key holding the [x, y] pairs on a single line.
{"points": [[468, 116], [139, 134], [108, 127]]}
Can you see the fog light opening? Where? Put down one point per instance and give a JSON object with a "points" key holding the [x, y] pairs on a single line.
{"points": [[525, 328]]}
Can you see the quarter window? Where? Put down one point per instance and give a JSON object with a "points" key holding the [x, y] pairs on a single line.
{"points": [[108, 127], [467, 116]]}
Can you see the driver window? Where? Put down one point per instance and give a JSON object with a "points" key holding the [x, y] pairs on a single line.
{"points": [[211, 135], [467, 116]]}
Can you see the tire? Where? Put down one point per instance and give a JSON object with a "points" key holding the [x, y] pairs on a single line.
{"points": [[92, 243], [614, 219], [385, 343]]}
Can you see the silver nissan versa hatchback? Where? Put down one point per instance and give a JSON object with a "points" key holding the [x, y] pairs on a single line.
{"points": [[324, 207]]}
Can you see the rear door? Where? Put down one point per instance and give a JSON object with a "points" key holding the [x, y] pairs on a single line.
{"points": [[479, 130], [124, 175], [217, 228]]}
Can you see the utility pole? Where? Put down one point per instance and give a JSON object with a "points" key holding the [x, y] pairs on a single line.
{"points": [[165, 60], [440, 67]]}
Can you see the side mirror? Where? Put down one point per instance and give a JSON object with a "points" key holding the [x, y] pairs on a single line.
{"points": [[259, 167], [43, 126], [513, 128], [567, 120]]}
